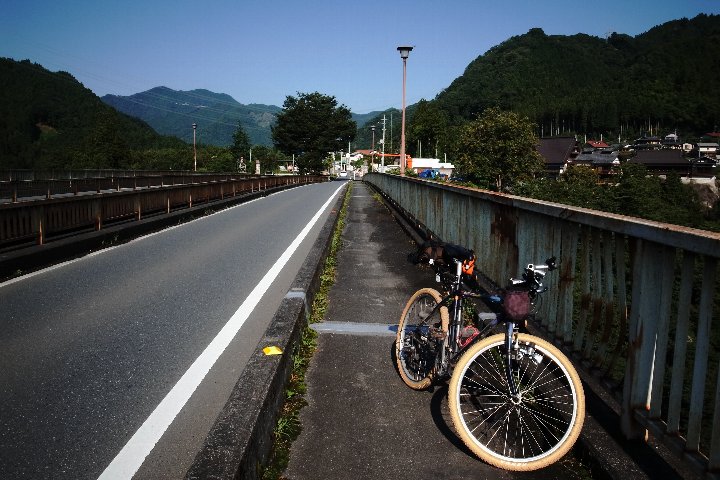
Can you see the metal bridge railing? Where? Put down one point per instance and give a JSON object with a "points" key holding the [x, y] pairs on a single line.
{"points": [[634, 301], [35, 221], [28, 185]]}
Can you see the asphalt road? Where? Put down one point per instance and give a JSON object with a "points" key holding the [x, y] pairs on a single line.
{"points": [[90, 348]]}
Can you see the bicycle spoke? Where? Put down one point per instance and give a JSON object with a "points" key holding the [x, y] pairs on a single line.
{"points": [[523, 428]]}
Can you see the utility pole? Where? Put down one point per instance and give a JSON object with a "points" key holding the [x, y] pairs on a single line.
{"points": [[382, 159], [372, 152], [194, 125], [391, 132]]}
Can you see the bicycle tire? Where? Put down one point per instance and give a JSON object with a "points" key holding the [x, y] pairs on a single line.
{"points": [[414, 347], [525, 433]]}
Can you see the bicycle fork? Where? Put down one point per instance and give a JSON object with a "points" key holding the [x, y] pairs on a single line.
{"points": [[509, 335]]}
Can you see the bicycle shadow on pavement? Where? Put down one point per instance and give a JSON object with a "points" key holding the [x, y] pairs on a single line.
{"points": [[440, 413], [439, 410]]}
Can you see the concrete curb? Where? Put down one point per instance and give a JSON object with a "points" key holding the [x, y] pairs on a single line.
{"points": [[38, 256], [241, 438]]}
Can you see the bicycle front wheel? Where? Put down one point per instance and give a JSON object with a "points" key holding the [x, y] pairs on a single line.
{"points": [[417, 338], [522, 432]]}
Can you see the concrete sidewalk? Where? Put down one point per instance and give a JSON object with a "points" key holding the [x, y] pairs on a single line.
{"points": [[361, 421]]}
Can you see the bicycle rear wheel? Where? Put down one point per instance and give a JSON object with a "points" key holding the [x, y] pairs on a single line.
{"points": [[416, 341], [524, 432]]}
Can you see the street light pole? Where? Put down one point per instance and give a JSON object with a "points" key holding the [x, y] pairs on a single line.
{"points": [[404, 53], [194, 148], [372, 152]]}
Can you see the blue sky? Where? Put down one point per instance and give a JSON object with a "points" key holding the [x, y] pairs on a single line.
{"points": [[262, 51]]}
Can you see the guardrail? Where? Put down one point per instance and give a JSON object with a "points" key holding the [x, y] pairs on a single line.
{"points": [[26, 174], [35, 221], [634, 302], [19, 189]]}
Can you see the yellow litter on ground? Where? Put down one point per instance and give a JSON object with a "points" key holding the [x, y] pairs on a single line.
{"points": [[272, 350]]}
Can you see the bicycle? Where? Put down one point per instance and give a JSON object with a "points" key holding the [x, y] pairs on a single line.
{"points": [[515, 399]]}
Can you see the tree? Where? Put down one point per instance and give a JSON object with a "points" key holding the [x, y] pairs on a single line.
{"points": [[427, 126], [240, 147], [216, 159], [498, 149], [310, 126], [269, 159], [579, 185]]}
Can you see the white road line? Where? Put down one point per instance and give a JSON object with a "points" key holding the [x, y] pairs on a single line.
{"points": [[133, 454]]}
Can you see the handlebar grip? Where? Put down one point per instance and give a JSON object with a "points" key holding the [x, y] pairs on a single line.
{"points": [[551, 263]]}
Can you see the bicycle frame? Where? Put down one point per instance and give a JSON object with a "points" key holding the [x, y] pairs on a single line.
{"points": [[451, 348]]}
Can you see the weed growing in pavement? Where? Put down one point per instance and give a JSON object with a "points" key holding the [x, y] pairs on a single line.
{"points": [[288, 426]]}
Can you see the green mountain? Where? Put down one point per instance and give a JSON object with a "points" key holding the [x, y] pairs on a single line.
{"points": [[362, 118], [173, 112], [49, 120], [662, 80], [666, 77]]}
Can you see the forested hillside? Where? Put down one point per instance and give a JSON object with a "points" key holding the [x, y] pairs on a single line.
{"points": [[217, 115], [663, 80], [50, 121], [666, 78], [173, 112]]}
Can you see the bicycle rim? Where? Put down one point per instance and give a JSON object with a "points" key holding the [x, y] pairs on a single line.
{"points": [[415, 351], [526, 432]]}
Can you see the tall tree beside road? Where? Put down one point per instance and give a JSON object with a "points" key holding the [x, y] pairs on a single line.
{"points": [[240, 147], [310, 126], [427, 127], [498, 149], [269, 158]]}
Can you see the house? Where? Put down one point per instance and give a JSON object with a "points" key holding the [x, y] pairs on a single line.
{"points": [[557, 152], [671, 141], [663, 161], [601, 160], [595, 145], [707, 150], [647, 143]]}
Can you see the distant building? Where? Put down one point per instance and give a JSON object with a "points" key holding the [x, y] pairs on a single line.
{"points": [[557, 152], [707, 149], [671, 141], [596, 144], [662, 162], [647, 143], [600, 160]]}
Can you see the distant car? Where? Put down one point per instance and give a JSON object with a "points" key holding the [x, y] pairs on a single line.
{"points": [[343, 174], [429, 173]]}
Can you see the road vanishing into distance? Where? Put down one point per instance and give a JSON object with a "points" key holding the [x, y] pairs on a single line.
{"points": [[103, 359]]}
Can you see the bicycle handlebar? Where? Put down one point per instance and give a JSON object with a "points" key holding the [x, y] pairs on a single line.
{"points": [[534, 274]]}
